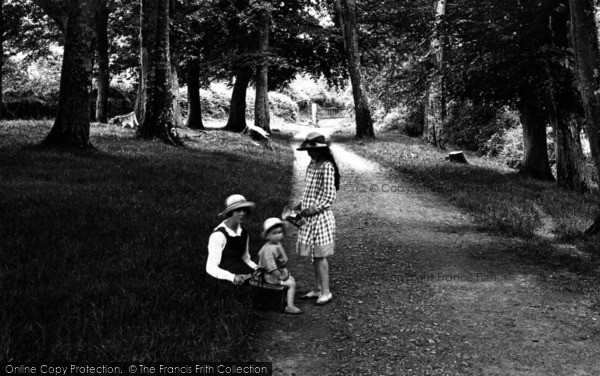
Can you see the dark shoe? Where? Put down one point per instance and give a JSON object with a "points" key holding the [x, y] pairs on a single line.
{"points": [[324, 299], [310, 295]]}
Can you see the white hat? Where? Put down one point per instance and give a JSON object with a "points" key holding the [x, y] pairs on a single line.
{"points": [[269, 224], [234, 202]]}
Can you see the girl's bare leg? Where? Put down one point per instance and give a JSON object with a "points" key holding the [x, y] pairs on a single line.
{"points": [[322, 273]]}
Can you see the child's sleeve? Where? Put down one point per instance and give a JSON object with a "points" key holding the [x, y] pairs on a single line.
{"points": [[329, 193], [267, 259]]}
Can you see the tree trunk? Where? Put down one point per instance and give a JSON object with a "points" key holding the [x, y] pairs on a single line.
{"points": [[347, 17], [434, 115], [103, 59], [587, 57], [72, 125], [535, 148], [261, 102], [237, 108], [1, 55], [159, 117], [140, 101], [570, 161], [175, 91], [194, 119]]}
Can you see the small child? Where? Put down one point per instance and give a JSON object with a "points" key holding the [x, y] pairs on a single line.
{"points": [[272, 260]]}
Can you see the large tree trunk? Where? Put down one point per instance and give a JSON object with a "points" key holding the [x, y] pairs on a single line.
{"points": [[237, 108], [348, 24], [535, 148], [159, 118], [194, 119], [434, 109], [72, 125], [103, 59], [570, 160], [261, 103], [587, 56]]}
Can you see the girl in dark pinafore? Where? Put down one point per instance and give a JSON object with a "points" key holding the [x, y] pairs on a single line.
{"points": [[228, 254]]}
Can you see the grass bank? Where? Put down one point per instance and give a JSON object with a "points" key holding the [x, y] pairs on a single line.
{"points": [[102, 255], [500, 199]]}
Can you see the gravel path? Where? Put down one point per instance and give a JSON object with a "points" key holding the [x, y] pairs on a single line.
{"points": [[418, 290]]}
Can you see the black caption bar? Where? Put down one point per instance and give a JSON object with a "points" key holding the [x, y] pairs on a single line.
{"points": [[134, 368]]}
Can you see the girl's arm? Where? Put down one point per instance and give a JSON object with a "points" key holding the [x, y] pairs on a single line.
{"points": [[329, 192], [246, 256]]}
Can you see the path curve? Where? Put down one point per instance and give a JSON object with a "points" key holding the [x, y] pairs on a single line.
{"points": [[419, 290]]}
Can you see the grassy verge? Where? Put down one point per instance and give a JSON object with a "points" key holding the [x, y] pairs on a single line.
{"points": [[500, 198], [102, 255]]}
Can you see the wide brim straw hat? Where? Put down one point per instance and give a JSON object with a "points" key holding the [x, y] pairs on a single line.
{"points": [[235, 202], [315, 140], [269, 224]]}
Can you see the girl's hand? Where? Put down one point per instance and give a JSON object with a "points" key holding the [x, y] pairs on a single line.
{"points": [[308, 212]]}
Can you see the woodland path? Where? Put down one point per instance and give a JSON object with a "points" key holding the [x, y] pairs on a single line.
{"points": [[419, 290]]}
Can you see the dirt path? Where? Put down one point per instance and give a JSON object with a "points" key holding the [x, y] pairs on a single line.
{"points": [[419, 291]]}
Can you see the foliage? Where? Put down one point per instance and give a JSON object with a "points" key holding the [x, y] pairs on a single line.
{"points": [[472, 126], [27, 30], [227, 37], [283, 106], [408, 121], [106, 252]]}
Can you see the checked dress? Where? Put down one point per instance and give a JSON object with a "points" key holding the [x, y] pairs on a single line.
{"points": [[317, 237]]}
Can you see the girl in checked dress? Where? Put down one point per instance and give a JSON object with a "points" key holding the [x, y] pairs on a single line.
{"points": [[317, 237]]}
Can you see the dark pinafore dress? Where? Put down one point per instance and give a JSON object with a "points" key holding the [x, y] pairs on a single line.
{"points": [[231, 258]]}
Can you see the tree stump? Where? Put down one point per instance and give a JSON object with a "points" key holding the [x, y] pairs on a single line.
{"points": [[594, 228], [456, 157]]}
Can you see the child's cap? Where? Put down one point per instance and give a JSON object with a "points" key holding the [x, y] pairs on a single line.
{"points": [[269, 224]]}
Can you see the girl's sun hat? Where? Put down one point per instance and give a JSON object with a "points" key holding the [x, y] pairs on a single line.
{"points": [[270, 224], [314, 140], [235, 202]]}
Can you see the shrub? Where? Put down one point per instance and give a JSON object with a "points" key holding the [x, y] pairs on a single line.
{"points": [[215, 101], [283, 106], [408, 121], [512, 150], [470, 126]]}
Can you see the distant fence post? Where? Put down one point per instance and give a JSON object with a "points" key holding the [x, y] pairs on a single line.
{"points": [[315, 118]]}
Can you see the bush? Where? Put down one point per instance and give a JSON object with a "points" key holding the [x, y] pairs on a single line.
{"points": [[408, 121], [512, 147], [471, 126], [283, 106], [215, 102]]}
